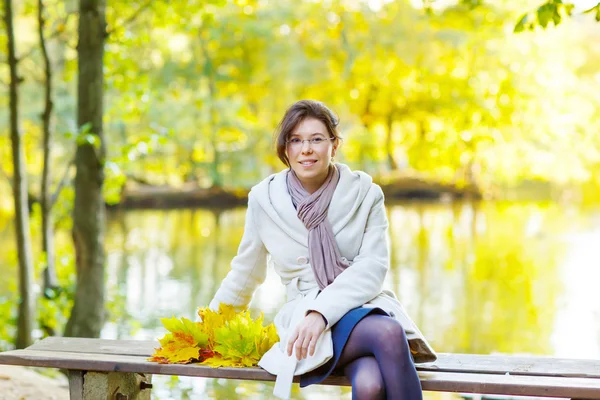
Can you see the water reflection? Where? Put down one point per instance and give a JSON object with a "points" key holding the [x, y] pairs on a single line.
{"points": [[483, 280]]}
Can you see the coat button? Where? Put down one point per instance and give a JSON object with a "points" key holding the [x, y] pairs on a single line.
{"points": [[344, 259], [302, 260]]}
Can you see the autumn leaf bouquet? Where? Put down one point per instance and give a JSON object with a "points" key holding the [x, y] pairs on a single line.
{"points": [[223, 338]]}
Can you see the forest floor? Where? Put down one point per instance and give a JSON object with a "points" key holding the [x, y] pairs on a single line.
{"points": [[20, 383]]}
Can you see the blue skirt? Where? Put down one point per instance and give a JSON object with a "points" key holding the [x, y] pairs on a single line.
{"points": [[340, 333]]}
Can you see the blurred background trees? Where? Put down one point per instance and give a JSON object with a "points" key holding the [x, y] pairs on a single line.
{"points": [[469, 93], [194, 90], [167, 99]]}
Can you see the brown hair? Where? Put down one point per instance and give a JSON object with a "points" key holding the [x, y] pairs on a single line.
{"points": [[298, 112]]}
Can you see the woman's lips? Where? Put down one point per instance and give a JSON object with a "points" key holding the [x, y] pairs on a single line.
{"points": [[308, 164]]}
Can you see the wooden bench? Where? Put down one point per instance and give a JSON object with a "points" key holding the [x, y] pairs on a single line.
{"points": [[118, 369]]}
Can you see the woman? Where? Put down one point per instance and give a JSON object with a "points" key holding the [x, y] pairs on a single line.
{"points": [[325, 229]]}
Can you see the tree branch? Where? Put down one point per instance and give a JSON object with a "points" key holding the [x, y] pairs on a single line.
{"points": [[61, 185], [130, 19]]}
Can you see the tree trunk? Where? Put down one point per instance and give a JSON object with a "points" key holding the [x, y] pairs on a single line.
{"points": [[50, 281], [26, 303], [87, 315]]}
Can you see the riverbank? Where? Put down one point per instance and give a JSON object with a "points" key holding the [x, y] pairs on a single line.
{"points": [[26, 384], [136, 195]]}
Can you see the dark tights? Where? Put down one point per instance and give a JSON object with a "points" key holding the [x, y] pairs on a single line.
{"points": [[377, 361]]}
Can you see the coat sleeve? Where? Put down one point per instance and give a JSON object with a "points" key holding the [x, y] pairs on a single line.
{"points": [[248, 267], [363, 280]]}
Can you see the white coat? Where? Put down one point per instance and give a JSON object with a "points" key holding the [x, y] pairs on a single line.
{"points": [[274, 236]]}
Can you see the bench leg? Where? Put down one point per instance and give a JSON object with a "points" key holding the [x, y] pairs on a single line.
{"points": [[76, 384], [89, 385]]}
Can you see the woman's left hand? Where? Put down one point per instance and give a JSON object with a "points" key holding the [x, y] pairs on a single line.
{"points": [[306, 334]]}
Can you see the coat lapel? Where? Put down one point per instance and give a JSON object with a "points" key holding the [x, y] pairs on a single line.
{"points": [[273, 197], [348, 197]]}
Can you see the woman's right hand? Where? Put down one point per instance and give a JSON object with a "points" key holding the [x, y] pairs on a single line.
{"points": [[305, 336]]}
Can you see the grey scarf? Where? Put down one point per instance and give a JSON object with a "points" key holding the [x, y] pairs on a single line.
{"points": [[323, 252]]}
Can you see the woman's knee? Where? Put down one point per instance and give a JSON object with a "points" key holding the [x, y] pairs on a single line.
{"points": [[366, 378], [371, 390], [392, 335]]}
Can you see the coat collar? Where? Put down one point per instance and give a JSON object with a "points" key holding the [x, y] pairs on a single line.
{"points": [[274, 199]]}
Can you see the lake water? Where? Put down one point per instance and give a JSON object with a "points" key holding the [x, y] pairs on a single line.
{"points": [[485, 277]]}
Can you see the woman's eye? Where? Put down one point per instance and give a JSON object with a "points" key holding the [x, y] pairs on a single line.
{"points": [[317, 140], [295, 140]]}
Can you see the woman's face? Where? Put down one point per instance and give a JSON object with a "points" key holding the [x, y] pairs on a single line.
{"points": [[309, 149]]}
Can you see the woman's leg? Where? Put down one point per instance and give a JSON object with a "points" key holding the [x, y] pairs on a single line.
{"points": [[366, 379], [384, 339]]}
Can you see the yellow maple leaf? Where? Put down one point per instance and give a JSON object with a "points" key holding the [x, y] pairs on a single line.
{"points": [[267, 339], [219, 362], [217, 318], [212, 320], [180, 349], [241, 341], [184, 325], [184, 344]]}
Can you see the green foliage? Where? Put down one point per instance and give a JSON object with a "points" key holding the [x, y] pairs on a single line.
{"points": [[113, 184], [551, 11], [595, 10], [86, 136], [52, 308], [8, 314]]}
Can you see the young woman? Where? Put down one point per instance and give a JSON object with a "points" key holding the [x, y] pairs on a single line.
{"points": [[325, 229]]}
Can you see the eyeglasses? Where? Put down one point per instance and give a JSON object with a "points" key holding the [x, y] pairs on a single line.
{"points": [[297, 143]]}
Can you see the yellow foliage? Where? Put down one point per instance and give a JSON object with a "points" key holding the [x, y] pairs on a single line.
{"points": [[215, 319], [238, 341], [176, 348], [221, 339]]}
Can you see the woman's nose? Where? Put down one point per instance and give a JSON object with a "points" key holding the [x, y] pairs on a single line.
{"points": [[306, 147]]}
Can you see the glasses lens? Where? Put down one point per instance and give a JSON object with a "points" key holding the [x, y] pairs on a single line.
{"points": [[316, 141]]}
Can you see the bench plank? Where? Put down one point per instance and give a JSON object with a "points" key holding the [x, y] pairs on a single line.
{"points": [[581, 388], [102, 346], [512, 385], [470, 363], [123, 363], [514, 365]]}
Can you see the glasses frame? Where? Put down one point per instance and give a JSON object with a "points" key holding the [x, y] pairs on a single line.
{"points": [[310, 143]]}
